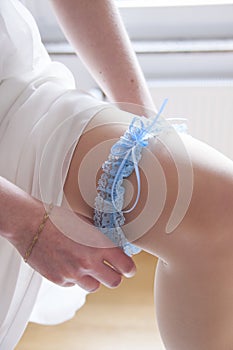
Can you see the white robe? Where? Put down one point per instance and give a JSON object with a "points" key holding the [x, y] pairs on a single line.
{"points": [[42, 116]]}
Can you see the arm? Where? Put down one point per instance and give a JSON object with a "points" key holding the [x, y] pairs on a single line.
{"points": [[20, 217], [98, 35], [16, 209]]}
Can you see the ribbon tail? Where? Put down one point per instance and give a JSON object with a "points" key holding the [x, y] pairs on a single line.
{"points": [[157, 115], [138, 183], [117, 178]]}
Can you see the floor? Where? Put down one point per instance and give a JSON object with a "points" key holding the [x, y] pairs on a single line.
{"points": [[119, 319]]}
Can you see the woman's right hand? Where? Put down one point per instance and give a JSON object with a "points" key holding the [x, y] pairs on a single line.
{"points": [[88, 261]]}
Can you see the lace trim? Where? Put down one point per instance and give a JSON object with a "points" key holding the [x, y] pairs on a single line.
{"points": [[122, 161]]}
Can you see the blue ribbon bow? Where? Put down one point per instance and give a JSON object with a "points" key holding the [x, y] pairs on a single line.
{"points": [[139, 136]]}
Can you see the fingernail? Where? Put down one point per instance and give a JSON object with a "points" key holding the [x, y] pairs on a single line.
{"points": [[116, 284], [94, 290], [131, 273]]}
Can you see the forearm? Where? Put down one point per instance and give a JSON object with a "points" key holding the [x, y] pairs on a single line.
{"points": [[16, 211], [98, 35]]}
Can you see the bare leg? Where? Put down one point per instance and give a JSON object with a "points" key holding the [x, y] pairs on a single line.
{"points": [[194, 283], [193, 291]]}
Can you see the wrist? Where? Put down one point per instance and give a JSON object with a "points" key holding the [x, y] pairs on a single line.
{"points": [[20, 215], [25, 224]]}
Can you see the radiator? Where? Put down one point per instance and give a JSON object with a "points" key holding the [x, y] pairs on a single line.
{"points": [[207, 104]]}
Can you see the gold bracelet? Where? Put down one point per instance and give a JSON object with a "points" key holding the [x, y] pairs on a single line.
{"points": [[36, 237]]}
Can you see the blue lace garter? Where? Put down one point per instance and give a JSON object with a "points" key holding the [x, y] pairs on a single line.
{"points": [[122, 161]]}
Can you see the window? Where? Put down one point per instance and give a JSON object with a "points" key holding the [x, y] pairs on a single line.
{"points": [[174, 39], [155, 19], [185, 49], [143, 3]]}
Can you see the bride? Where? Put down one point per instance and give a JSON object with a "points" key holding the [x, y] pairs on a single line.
{"points": [[53, 142]]}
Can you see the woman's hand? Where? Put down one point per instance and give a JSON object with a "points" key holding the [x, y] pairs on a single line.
{"points": [[69, 249]]}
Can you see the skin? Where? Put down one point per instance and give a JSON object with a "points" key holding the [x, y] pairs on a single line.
{"points": [[55, 256], [193, 282], [105, 48], [194, 286], [96, 31]]}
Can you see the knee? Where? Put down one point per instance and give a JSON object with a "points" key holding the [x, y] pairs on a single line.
{"points": [[206, 228]]}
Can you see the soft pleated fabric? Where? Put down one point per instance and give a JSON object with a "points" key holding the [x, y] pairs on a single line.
{"points": [[42, 116]]}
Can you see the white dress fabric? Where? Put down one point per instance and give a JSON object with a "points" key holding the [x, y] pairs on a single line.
{"points": [[42, 115]]}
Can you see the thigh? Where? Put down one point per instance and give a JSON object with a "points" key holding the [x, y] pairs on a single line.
{"points": [[91, 151], [194, 283], [206, 221]]}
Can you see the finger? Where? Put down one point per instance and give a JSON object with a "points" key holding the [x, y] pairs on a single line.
{"points": [[88, 283], [120, 262], [106, 275], [68, 284]]}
